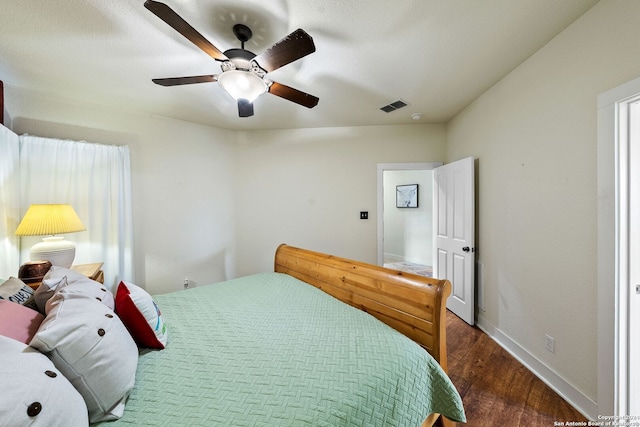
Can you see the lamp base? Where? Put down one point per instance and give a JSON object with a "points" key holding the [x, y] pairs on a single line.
{"points": [[54, 249]]}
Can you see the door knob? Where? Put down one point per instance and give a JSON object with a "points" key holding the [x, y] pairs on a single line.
{"points": [[466, 249]]}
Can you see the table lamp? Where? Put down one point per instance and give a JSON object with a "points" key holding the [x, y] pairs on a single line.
{"points": [[49, 220]]}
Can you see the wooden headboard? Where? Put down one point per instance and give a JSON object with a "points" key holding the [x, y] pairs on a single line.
{"points": [[412, 304]]}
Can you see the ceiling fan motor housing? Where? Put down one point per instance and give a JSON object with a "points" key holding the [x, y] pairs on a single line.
{"points": [[240, 58], [243, 71]]}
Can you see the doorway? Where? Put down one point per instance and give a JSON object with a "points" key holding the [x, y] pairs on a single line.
{"points": [[445, 231], [405, 234], [618, 250]]}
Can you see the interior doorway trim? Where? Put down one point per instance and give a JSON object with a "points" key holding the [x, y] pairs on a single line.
{"points": [[380, 197], [613, 286]]}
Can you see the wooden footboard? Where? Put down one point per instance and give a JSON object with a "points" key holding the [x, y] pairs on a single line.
{"points": [[412, 304]]}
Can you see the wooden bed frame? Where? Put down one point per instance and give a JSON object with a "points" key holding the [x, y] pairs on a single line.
{"points": [[414, 305]]}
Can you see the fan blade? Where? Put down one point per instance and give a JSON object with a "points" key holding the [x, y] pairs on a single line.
{"points": [[245, 108], [175, 81], [291, 48], [168, 15], [293, 95]]}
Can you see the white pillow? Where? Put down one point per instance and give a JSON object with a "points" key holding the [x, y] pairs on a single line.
{"points": [[56, 274], [48, 286], [35, 393], [85, 287], [58, 278], [89, 344]]}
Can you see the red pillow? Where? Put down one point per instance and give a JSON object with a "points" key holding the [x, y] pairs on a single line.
{"points": [[18, 322], [141, 316]]}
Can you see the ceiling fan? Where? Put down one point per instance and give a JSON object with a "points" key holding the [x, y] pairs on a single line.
{"points": [[243, 72]]}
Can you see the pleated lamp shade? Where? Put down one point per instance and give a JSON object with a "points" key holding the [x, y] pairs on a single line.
{"points": [[49, 220]]}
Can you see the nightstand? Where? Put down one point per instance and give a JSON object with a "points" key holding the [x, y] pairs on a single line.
{"points": [[92, 271]]}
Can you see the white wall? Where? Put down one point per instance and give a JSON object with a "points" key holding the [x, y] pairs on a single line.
{"points": [[534, 134], [307, 187], [408, 232], [211, 204], [182, 176]]}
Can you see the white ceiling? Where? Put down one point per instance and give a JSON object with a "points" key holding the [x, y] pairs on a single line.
{"points": [[436, 55]]}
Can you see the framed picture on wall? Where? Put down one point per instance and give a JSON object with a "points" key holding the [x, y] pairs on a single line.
{"points": [[407, 196]]}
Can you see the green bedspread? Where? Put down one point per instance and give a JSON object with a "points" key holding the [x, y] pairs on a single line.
{"points": [[269, 350]]}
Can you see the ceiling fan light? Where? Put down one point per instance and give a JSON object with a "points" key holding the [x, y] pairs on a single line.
{"points": [[242, 84]]}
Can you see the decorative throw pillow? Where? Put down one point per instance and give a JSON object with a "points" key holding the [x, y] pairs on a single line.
{"points": [[60, 277], [18, 322], [141, 316], [89, 344], [17, 291], [35, 393], [54, 278], [85, 287]]}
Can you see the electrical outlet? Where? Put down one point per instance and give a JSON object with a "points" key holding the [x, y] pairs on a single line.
{"points": [[364, 215], [186, 283], [549, 343]]}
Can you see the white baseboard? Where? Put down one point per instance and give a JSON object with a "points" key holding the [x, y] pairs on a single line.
{"points": [[393, 257], [584, 404]]}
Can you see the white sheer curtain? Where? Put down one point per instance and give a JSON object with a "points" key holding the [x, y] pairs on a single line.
{"points": [[96, 180], [9, 203]]}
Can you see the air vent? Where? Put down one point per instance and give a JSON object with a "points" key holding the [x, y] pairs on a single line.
{"points": [[396, 105]]}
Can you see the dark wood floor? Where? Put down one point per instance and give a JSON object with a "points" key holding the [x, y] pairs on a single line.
{"points": [[496, 389]]}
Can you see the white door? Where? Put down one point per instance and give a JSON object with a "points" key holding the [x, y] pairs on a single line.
{"points": [[454, 235]]}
